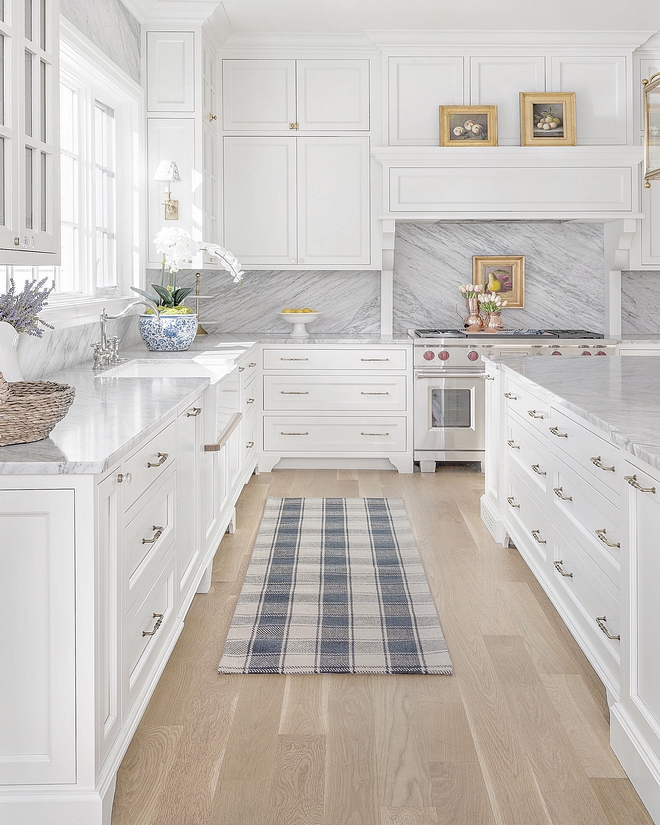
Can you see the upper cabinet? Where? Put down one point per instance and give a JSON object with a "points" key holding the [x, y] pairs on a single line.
{"points": [[295, 95], [170, 71], [29, 132]]}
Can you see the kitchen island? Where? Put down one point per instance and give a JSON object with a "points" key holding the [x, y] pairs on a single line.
{"points": [[573, 481]]}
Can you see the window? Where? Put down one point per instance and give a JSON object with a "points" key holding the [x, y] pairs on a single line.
{"points": [[100, 111]]}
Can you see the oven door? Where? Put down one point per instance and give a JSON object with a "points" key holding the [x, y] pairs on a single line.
{"points": [[449, 411]]}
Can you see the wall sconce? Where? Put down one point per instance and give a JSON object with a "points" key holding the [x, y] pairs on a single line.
{"points": [[168, 173]]}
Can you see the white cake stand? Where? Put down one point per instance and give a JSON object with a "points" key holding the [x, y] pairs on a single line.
{"points": [[299, 320]]}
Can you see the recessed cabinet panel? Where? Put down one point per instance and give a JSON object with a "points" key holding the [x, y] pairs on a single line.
{"points": [[259, 208], [650, 232], [333, 94], [333, 207], [600, 87], [417, 87], [258, 94], [170, 71], [497, 81]]}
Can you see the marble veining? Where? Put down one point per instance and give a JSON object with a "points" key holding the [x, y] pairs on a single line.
{"points": [[640, 302], [111, 27], [619, 395], [349, 300], [563, 271]]}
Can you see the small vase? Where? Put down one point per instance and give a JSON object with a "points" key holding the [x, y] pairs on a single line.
{"points": [[9, 366], [169, 333], [474, 321], [494, 322]]}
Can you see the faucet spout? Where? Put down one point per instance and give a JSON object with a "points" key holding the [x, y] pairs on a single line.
{"points": [[106, 351]]}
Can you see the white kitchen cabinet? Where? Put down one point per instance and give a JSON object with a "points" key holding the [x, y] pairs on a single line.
{"points": [[300, 201], [29, 133], [210, 148], [305, 95], [190, 427], [170, 71]]}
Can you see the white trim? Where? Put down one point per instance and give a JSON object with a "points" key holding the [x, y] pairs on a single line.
{"points": [[618, 39], [82, 311]]}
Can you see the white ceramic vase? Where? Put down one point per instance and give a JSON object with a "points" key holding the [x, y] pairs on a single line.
{"points": [[9, 366]]}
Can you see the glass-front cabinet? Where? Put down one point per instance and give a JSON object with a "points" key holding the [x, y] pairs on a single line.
{"points": [[29, 132]]}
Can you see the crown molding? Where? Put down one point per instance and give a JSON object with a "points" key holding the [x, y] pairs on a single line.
{"points": [[300, 40], [162, 11], [625, 39]]}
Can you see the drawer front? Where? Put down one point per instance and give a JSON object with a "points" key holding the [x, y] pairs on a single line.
{"points": [[249, 435], [527, 516], [598, 456], [350, 392], [588, 516], [248, 370], [528, 454], [148, 537], [298, 434], [317, 358], [249, 397], [523, 402], [148, 464], [146, 633]]}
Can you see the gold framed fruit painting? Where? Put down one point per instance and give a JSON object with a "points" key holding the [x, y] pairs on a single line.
{"points": [[503, 275], [547, 119], [468, 126]]}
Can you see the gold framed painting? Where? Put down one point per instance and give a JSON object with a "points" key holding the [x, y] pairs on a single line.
{"points": [[547, 119], [468, 126], [502, 274], [651, 129]]}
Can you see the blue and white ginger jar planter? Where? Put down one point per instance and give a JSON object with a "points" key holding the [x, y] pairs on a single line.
{"points": [[169, 333]]}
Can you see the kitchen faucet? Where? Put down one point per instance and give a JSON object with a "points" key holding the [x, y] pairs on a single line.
{"points": [[106, 351]]}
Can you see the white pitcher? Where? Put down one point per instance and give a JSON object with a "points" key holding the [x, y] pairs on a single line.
{"points": [[9, 366]]}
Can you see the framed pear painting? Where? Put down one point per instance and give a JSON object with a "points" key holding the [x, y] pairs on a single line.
{"points": [[504, 275]]}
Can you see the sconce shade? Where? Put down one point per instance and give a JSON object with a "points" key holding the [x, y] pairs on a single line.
{"points": [[167, 172]]}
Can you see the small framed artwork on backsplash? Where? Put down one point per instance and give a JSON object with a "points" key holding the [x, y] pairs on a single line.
{"points": [[468, 126], [503, 275], [547, 119]]}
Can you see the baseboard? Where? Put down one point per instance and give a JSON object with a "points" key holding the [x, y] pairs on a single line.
{"points": [[493, 522], [637, 759]]}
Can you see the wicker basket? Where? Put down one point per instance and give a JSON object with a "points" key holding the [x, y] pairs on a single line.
{"points": [[30, 409]]}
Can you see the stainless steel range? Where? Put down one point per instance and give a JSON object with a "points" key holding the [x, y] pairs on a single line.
{"points": [[449, 383]]}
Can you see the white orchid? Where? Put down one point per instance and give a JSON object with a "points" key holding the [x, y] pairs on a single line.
{"points": [[179, 250], [227, 260]]}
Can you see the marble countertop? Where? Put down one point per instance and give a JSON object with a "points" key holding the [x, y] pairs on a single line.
{"points": [[618, 395]]}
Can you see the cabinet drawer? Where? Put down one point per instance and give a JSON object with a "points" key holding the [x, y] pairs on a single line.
{"points": [[530, 455], [148, 464], [299, 434], [598, 456], [589, 517], [249, 435], [324, 358], [148, 536], [527, 516], [146, 634], [350, 392], [522, 401]]}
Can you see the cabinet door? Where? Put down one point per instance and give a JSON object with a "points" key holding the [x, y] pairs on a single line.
{"points": [[258, 94], [333, 94], [37, 637], [170, 71], [333, 200], [260, 200], [189, 540], [417, 86]]}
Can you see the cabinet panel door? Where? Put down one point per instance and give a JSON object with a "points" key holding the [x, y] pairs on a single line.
{"points": [[599, 84], [333, 201], [497, 81], [258, 94], [259, 199], [417, 86], [333, 94], [170, 71], [37, 637]]}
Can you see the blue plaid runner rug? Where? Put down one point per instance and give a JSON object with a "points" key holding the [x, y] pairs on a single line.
{"points": [[335, 585]]}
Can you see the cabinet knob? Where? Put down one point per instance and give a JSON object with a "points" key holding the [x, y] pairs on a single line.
{"points": [[249, 445], [250, 401], [293, 126], [124, 478], [17, 241], [212, 117], [194, 412]]}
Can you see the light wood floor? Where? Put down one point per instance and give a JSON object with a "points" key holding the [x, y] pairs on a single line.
{"points": [[517, 736]]}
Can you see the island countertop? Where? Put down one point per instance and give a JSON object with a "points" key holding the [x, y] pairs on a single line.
{"points": [[619, 395]]}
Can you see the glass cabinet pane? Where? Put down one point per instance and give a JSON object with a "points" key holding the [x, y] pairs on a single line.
{"points": [[42, 25], [44, 192], [28, 93], [28, 19], [2, 10], [2, 79], [29, 189], [2, 183], [43, 92]]}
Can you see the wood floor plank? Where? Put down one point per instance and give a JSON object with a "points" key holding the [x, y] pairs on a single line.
{"points": [[305, 705], [298, 786], [459, 794], [408, 816], [240, 802], [369, 485], [621, 804], [446, 731]]}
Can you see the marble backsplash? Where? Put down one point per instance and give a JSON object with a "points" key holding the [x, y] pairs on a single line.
{"points": [[640, 302], [563, 265]]}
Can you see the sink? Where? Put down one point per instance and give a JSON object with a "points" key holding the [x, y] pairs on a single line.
{"points": [[169, 369]]}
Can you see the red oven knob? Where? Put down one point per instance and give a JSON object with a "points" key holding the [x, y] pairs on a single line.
{"points": [[555, 352], [473, 355], [429, 355], [601, 353], [586, 352], [443, 355]]}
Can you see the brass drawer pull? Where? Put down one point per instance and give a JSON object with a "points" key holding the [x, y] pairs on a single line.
{"points": [[252, 364], [250, 401], [558, 492], [162, 458], [284, 392], [511, 396], [159, 621], [489, 377], [600, 621], [512, 503], [381, 434], [294, 359], [632, 480], [555, 431], [513, 444], [194, 412], [249, 445], [560, 569], [596, 461], [294, 433], [124, 478], [602, 535], [158, 532], [534, 414], [537, 469], [374, 393], [374, 359], [536, 534], [241, 369]]}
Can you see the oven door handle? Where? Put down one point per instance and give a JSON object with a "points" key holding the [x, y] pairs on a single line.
{"points": [[450, 374]]}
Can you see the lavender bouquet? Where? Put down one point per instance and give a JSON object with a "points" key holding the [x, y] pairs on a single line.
{"points": [[21, 309]]}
